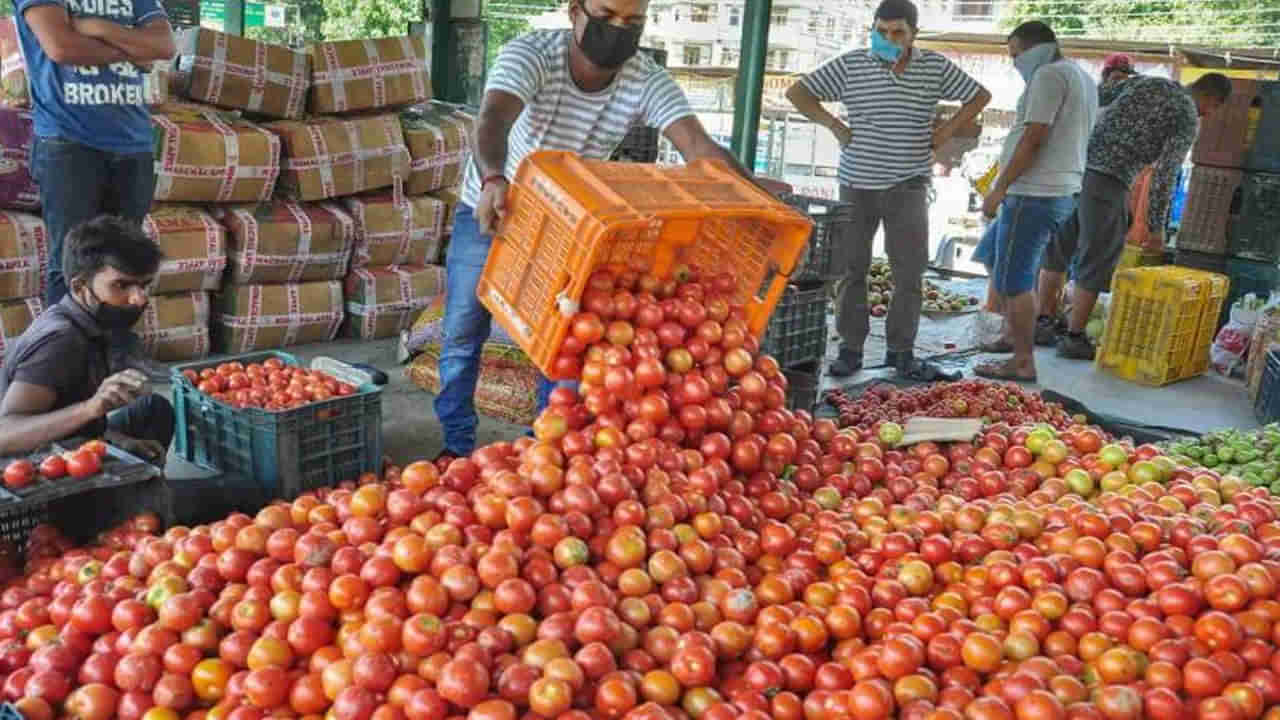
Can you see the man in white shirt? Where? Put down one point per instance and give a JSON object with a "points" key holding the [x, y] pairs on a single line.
{"points": [[890, 93], [1041, 168], [578, 90]]}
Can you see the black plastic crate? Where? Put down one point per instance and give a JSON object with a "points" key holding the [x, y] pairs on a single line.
{"points": [[831, 220], [1267, 405], [1255, 235], [641, 143], [1200, 261], [802, 386], [288, 452], [797, 331], [1264, 154]]}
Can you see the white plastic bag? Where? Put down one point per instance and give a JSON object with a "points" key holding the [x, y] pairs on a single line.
{"points": [[1231, 346], [988, 328]]}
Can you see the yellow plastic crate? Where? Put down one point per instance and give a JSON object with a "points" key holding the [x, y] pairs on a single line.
{"points": [[1134, 256], [1161, 323]]}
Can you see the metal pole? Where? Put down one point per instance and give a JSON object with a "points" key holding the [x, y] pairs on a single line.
{"points": [[748, 91], [441, 57]]}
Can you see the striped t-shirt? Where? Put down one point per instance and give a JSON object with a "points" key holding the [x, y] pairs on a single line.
{"points": [[891, 115], [559, 116]]}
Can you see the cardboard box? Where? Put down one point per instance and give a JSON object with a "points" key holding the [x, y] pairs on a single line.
{"points": [[284, 242], [194, 245], [439, 140], [204, 155], [14, 91], [450, 197], [370, 74], [24, 256], [396, 231], [15, 318], [236, 72], [268, 317], [176, 327], [383, 301], [18, 190], [507, 386], [333, 157]]}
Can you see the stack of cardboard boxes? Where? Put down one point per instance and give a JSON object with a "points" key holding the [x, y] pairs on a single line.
{"points": [[295, 191]]}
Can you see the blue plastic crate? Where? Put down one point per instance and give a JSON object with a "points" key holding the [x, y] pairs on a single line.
{"points": [[288, 452], [1267, 405]]}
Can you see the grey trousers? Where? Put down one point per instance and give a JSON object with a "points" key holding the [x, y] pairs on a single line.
{"points": [[904, 210]]}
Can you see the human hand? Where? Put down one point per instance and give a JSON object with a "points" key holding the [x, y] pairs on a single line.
{"points": [[492, 206], [991, 203], [141, 447], [117, 391], [843, 134]]}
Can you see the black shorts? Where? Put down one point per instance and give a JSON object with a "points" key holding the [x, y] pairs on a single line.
{"points": [[1093, 237]]}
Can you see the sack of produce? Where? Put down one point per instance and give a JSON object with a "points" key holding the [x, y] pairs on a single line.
{"points": [[439, 140], [285, 242], [333, 157], [15, 317], [176, 327], [383, 301], [507, 388], [370, 74], [194, 246], [428, 329], [396, 230], [203, 155], [264, 317], [236, 72], [18, 190], [24, 256], [14, 91], [1230, 350]]}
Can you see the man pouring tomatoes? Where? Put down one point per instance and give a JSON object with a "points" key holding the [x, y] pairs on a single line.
{"points": [[57, 381]]}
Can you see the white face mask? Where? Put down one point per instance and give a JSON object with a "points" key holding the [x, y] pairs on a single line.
{"points": [[1032, 59]]}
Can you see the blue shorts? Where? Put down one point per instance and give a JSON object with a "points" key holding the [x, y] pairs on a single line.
{"points": [[1019, 235], [985, 252]]}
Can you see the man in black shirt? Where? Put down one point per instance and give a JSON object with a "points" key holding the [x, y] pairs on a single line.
{"points": [[57, 381]]}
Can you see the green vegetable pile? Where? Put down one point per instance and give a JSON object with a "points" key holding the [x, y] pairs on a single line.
{"points": [[1253, 456]]}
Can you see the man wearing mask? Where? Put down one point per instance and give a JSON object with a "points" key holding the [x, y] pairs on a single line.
{"points": [[86, 63], [1041, 168], [579, 90], [890, 92], [1153, 122], [56, 382]]}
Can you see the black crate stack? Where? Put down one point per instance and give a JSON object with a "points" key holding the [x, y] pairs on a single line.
{"points": [[1231, 223], [641, 143]]}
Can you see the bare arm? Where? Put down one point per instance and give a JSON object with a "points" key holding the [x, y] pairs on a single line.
{"points": [[808, 105], [498, 113], [26, 422], [962, 118], [1024, 155], [693, 142], [153, 41], [63, 44]]}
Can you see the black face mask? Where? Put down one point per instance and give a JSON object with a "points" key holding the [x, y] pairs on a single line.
{"points": [[606, 45], [115, 317]]}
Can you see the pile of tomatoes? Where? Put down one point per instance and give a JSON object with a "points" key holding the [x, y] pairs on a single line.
{"points": [[270, 385], [83, 462], [675, 544], [992, 401]]}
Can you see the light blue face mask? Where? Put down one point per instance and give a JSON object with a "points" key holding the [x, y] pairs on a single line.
{"points": [[883, 49], [1032, 59]]}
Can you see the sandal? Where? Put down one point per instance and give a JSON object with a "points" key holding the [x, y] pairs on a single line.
{"points": [[1001, 371], [999, 347]]}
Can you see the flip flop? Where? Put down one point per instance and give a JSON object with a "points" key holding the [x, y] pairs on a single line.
{"points": [[994, 371], [999, 347]]}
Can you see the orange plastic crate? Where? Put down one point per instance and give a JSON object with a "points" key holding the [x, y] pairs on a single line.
{"points": [[567, 216]]}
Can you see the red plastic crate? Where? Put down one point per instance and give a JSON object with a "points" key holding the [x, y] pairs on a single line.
{"points": [[567, 216], [1213, 199]]}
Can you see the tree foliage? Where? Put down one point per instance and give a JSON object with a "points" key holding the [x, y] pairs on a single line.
{"points": [[348, 19], [1234, 23], [507, 26]]}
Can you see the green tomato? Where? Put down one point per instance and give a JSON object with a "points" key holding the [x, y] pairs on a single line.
{"points": [[1210, 460], [1226, 454]]}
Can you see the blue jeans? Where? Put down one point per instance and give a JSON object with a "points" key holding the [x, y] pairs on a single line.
{"points": [[1019, 236], [79, 183], [466, 328]]}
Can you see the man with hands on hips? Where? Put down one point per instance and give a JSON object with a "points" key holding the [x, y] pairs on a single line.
{"points": [[890, 92], [579, 90]]}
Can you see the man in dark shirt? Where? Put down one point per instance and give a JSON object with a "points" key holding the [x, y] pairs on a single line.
{"points": [[1153, 121], [56, 380]]}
